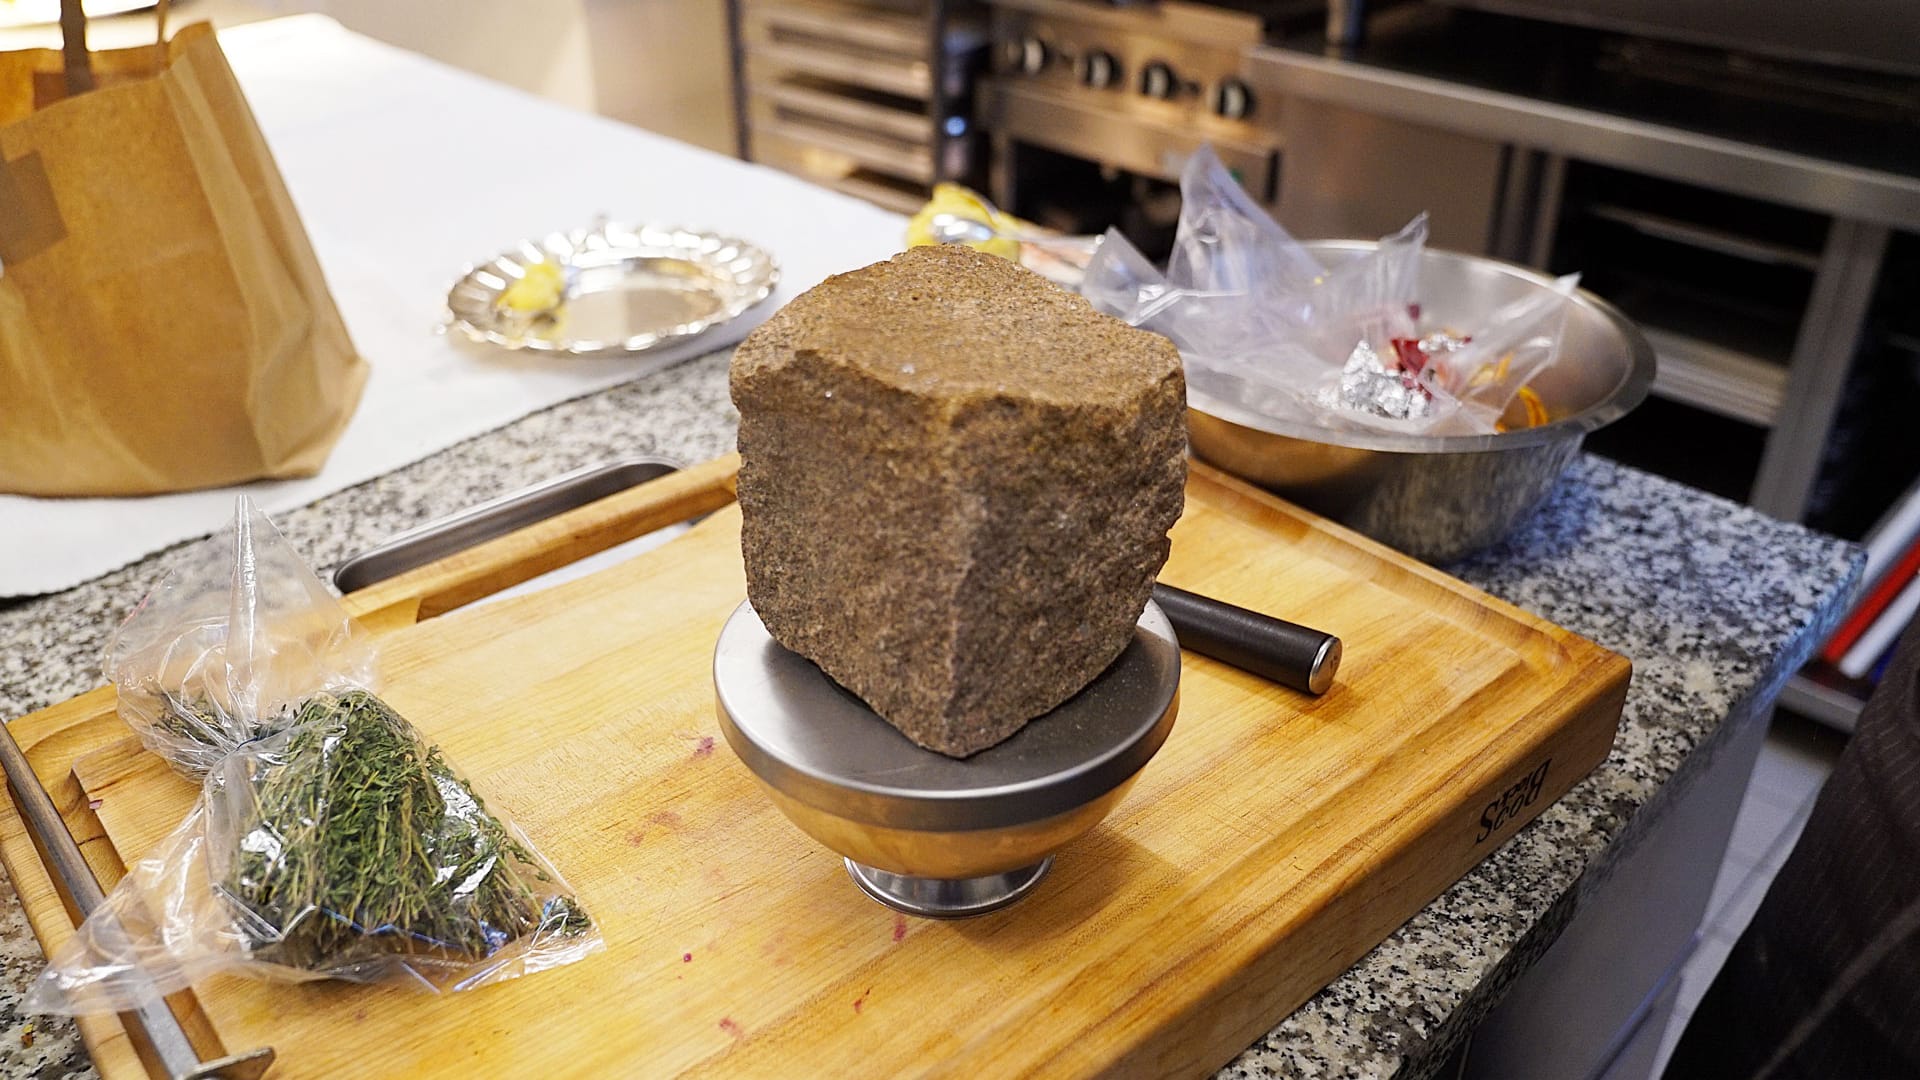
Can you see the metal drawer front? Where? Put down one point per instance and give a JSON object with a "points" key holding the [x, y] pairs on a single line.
{"points": [[903, 35], [840, 107], [893, 158], [836, 171], [893, 75]]}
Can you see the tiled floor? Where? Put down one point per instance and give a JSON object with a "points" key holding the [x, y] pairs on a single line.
{"points": [[1792, 766]]}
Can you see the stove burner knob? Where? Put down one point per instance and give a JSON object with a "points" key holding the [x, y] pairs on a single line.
{"points": [[1029, 55], [1157, 81], [1232, 99], [1098, 69]]}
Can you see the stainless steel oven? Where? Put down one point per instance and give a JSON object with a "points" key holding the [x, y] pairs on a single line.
{"points": [[1092, 108]]}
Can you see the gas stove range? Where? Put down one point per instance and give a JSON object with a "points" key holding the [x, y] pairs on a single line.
{"points": [[1134, 88], [1179, 55]]}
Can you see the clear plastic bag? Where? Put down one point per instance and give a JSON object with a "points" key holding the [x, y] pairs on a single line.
{"points": [[226, 643], [330, 840], [1504, 353], [1260, 322]]}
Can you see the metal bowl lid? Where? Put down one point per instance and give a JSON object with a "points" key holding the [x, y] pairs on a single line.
{"points": [[815, 742]]}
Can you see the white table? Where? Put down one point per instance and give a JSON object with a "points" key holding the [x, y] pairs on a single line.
{"points": [[405, 171]]}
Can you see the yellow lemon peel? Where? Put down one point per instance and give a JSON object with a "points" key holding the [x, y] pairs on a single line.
{"points": [[540, 291]]}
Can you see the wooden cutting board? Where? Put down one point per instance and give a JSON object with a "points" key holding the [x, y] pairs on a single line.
{"points": [[1272, 842]]}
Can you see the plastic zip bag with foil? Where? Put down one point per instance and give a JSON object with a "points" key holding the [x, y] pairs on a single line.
{"points": [[1262, 323]]}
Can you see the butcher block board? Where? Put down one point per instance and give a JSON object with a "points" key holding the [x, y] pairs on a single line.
{"points": [[1272, 842]]}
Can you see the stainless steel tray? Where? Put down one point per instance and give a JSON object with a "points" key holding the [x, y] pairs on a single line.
{"points": [[627, 289], [883, 155], [903, 76], [850, 107], [839, 172]]}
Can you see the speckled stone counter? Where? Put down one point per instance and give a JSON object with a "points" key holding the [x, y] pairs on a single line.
{"points": [[1714, 603]]}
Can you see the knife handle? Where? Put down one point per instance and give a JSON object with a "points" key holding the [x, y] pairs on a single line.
{"points": [[1287, 653]]}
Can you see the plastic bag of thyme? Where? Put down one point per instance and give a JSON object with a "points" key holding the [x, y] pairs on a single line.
{"points": [[330, 839]]}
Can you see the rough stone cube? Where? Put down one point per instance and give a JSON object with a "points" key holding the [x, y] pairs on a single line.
{"points": [[956, 483]]}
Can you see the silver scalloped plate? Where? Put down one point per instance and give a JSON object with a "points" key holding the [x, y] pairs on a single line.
{"points": [[628, 289]]}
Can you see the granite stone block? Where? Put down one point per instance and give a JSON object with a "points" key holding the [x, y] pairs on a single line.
{"points": [[956, 483]]}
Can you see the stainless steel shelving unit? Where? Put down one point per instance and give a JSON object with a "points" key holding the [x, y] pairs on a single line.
{"points": [[1699, 369], [1817, 701], [866, 96], [1716, 378], [1863, 205]]}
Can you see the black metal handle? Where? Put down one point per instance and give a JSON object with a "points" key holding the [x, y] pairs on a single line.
{"points": [[1287, 653], [496, 517]]}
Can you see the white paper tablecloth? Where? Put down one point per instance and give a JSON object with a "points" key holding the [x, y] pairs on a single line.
{"points": [[405, 171]]}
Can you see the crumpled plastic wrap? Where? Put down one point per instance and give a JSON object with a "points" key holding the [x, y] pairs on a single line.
{"points": [[1263, 324], [960, 215], [330, 840]]}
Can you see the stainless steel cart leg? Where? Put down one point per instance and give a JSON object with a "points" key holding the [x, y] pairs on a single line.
{"points": [[71, 873], [1822, 354]]}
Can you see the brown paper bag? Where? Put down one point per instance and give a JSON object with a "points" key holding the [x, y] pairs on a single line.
{"points": [[163, 322]]}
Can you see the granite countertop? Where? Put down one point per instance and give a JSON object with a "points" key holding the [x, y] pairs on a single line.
{"points": [[1715, 603]]}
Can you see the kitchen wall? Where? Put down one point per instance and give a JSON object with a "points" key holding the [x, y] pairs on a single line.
{"points": [[658, 64], [664, 65], [537, 45]]}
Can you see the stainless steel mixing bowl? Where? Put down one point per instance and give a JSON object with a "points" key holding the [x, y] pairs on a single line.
{"points": [[922, 832], [1439, 498]]}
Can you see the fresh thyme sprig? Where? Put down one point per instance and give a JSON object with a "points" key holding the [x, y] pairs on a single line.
{"points": [[362, 844]]}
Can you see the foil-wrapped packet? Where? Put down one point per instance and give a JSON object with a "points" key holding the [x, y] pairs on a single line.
{"points": [[1369, 385]]}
